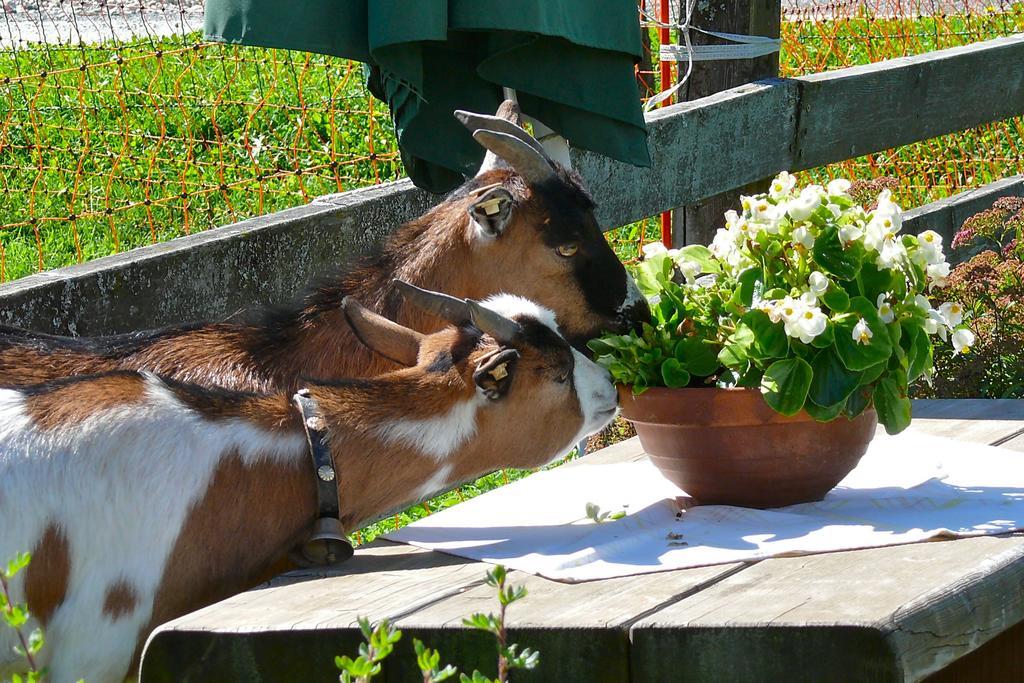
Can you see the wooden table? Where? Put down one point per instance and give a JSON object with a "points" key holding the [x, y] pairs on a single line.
{"points": [[945, 611]]}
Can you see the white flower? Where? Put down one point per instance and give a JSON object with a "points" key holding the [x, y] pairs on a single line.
{"points": [[808, 324], [952, 312], [838, 187], [921, 301], [731, 220], [706, 281], [818, 283], [801, 208], [962, 340], [931, 247], [936, 324], [652, 249], [723, 246], [862, 334], [850, 233], [938, 274], [788, 310], [256, 147], [782, 186], [803, 236], [891, 254], [889, 207], [690, 270], [885, 311], [835, 210]]}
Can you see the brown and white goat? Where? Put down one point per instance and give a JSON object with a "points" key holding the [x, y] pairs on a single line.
{"points": [[524, 225], [143, 498]]}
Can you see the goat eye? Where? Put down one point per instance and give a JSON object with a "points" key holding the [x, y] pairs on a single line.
{"points": [[568, 250], [562, 379]]}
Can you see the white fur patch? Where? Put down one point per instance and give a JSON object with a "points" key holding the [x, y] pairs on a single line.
{"points": [[633, 294], [437, 483], [512, 306], [439, 436], [120, 486], [596, 394]]}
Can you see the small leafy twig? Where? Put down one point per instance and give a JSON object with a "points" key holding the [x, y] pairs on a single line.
{"points": [[16, 616], [509, 656], [595, 513], [429, 662], [380, 642]]}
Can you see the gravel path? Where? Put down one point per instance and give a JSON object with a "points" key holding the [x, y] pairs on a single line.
{"points": [[89, 21]]}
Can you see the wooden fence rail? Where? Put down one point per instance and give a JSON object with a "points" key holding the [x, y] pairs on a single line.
{"points": [[699, 149]]}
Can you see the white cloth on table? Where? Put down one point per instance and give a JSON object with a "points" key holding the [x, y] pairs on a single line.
{"points": [[906, 489]]}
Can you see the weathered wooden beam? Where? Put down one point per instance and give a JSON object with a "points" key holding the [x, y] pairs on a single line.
{"points": [[698, 149], [210, 274], [947, 216], [865, 109]]}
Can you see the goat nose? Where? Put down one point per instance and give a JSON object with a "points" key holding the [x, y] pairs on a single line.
{"points": [[632, 318]]}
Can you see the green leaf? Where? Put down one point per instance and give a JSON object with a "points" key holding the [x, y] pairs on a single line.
{"points": [[892, 404], [875, 280], [770, 339], [832, 382], [600, 347], [702, 255], [871, 374], [833, 258], [858, 401], [826, 338], [837, 300], [920, 355], [855, 354], [824, 414], [785, 385], [673, 374], [697, 356], [737, 347], [749, 281]]}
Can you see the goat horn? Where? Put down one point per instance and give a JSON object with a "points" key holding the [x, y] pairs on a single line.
{"points": [[504, 330], [520, 155], [385, 337], [448, 308], [499, 124]]}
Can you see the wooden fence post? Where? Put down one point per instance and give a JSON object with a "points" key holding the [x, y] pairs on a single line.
{"points": [[696, 224]]}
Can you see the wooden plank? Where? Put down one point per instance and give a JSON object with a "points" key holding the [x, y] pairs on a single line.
{"points": [[210, 274], [947, 216], [697, 223], [856, 111], [883, 614], [989, 421], [581, 630], [259, 634], [695, 154]]}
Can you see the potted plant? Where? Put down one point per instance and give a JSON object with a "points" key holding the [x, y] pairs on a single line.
{"points": [[770, 353]]}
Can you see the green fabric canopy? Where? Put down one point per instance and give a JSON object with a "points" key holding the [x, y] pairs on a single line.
{"points": [[570, 61]]}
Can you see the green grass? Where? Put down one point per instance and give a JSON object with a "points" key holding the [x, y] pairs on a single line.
{"points": [[149, 148]]}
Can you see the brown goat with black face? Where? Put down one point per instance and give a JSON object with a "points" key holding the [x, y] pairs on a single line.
{"points": [[144, 498], [524, 225]]}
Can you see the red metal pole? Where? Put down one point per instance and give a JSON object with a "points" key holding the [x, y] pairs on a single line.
{"points": [[664, 38]]}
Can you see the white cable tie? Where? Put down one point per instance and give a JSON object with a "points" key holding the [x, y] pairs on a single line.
{"points": [[745, 47]]}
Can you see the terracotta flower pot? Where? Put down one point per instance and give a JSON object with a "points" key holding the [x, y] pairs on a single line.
{"points": [[726, 446]]}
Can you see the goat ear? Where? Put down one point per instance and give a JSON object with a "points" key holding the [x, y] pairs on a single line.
{"points": [[491, 212], [495, 371], [382, 336]]}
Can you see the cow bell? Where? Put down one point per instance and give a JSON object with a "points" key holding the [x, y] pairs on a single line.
{"points": [[327, 545]]}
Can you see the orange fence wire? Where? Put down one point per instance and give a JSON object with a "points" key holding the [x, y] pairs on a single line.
{"points": [[120, 127]]}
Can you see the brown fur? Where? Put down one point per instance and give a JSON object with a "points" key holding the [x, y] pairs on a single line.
{"points": [[47, 576], [245, 523], [66, 403], [120, 600]]}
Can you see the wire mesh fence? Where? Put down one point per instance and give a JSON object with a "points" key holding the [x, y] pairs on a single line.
{"points": [[120, 126]]}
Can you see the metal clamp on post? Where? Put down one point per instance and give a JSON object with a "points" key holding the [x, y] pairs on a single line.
{"points": [[328, 544]]}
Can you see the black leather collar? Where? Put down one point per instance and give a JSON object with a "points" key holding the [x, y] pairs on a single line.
{"points": [[334, 546]]}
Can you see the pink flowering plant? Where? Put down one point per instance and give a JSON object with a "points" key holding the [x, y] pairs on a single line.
{"points": [[823, 305]]}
